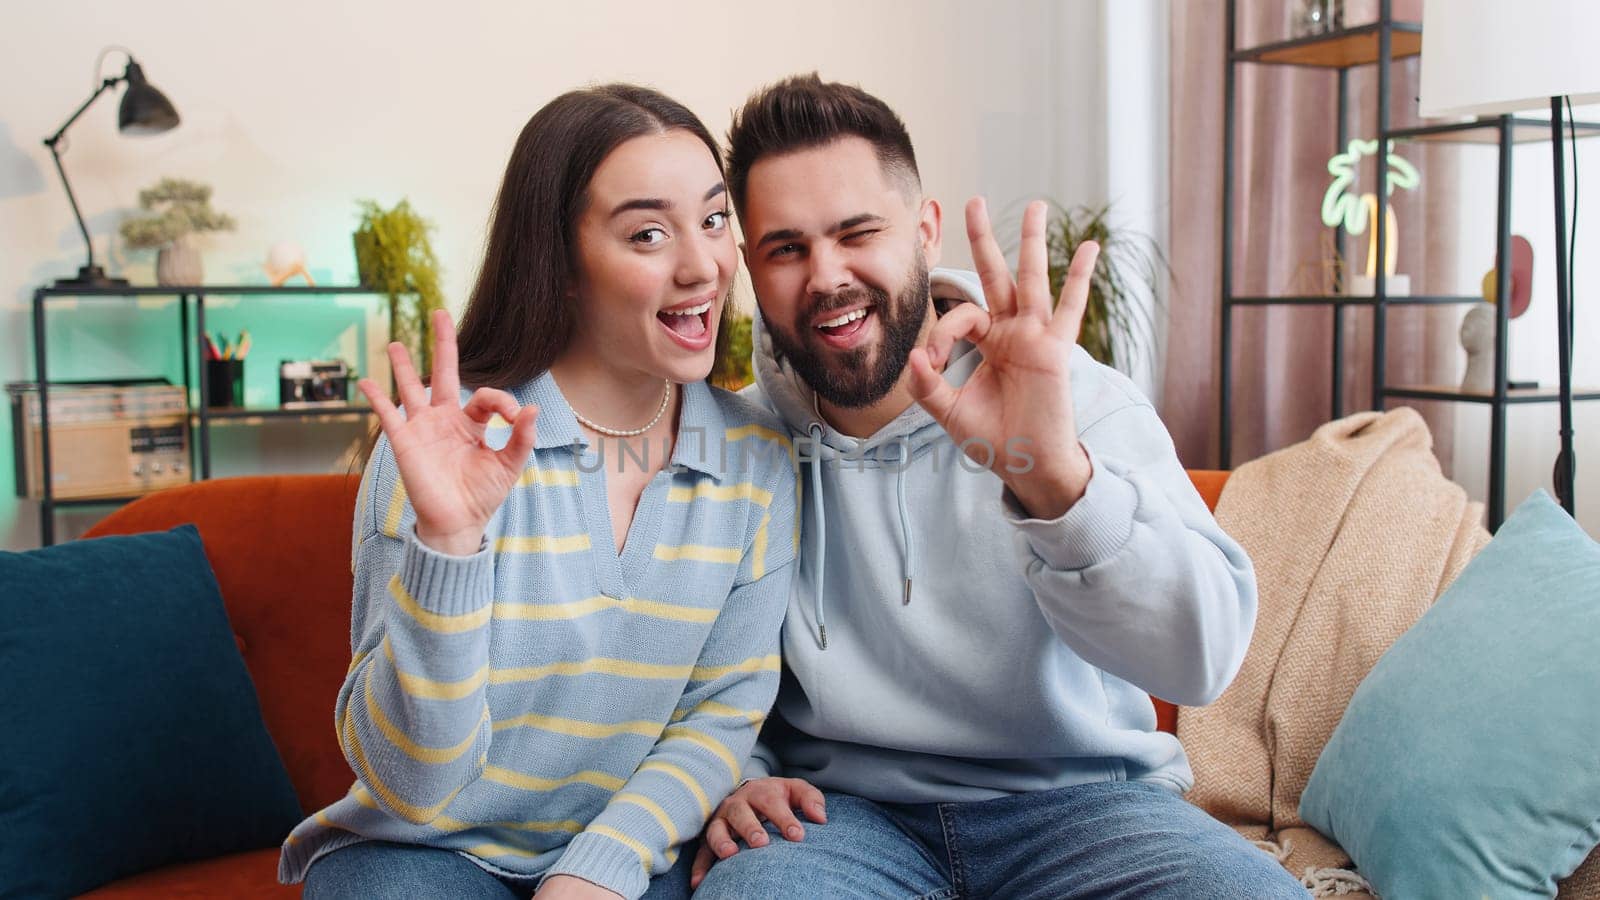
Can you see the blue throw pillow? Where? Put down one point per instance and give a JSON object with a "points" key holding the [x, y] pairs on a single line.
{"points": [[130, 736], [1468, 761]]}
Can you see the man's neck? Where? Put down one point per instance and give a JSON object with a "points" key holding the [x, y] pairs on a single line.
{"points": [[866, 421]]}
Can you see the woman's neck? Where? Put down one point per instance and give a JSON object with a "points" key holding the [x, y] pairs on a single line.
{"points": [[621, 399]]}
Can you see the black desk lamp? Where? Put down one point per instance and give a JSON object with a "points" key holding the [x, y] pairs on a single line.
{"points": [[144, 110]]}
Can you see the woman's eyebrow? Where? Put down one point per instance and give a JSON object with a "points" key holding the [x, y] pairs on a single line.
{"points": [[656, 203]]}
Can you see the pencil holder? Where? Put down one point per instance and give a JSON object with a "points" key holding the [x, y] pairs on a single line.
{"points": [[225, 382]]}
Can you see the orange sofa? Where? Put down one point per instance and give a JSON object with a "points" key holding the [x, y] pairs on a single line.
{"points": [[280, 547]]}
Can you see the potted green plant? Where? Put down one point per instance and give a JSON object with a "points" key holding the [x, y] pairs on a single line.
{"points": [[732, 367], [395, 257], [178, 209], [1118, 328]]}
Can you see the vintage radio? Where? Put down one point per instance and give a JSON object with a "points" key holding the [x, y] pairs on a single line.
{"points": [[105, 440]]}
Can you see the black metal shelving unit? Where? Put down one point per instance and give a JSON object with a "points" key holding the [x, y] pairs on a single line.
{"points": [[201, 417], [1379, 44]]}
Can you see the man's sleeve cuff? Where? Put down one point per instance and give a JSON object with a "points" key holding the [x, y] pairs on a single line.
{"points": [[1092, 531]]}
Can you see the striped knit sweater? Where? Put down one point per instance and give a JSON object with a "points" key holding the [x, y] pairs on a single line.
{"points": [[547, 706]]}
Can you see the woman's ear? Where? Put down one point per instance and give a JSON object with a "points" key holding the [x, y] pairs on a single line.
{"points": [[930, 230]]}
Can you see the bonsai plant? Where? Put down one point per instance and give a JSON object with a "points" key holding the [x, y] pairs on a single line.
{"points": [[1117, 326], [179, 209], [395, 258]]}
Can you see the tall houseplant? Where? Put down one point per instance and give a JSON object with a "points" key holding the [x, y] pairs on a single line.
{"points": [[1118, 328], [395, 258], [178, 210]]}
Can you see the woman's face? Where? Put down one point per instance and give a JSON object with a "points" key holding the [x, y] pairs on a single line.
{"points": [[656, 257]]}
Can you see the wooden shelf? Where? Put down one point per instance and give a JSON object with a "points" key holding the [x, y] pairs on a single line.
{"points": [[1519, 395], [1339, 49]]}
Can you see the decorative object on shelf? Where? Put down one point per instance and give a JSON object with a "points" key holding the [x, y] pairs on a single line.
{"points": [[306, 384], [1477, 327], [1489, 57], [144, 110], [1357, 213], [1325, 275], [181, 209], [1124, 290], [225, 382], [285, 260], [395, 258], [1313, 17]]}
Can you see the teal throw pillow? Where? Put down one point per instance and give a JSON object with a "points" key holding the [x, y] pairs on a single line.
{"points": [[130, 736], [1468, 762]]}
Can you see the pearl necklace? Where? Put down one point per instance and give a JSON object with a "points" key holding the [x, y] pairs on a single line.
{"points": [[666, 399]]}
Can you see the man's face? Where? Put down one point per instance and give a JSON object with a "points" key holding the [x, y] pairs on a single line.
{"points": [[839, 255]]}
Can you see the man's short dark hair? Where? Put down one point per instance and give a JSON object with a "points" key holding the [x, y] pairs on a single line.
{"points": [[803, 111]]}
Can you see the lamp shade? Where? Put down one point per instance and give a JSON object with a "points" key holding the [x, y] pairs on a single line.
{"points": [[1490, 57], [144, 109]]}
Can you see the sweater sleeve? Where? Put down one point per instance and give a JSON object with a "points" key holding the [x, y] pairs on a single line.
{"points": [[1137, 577], [412, 716], [697, 760]]}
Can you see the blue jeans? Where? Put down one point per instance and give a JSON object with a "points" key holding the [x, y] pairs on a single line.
{"points": [[380, 870], [1110, 839]]}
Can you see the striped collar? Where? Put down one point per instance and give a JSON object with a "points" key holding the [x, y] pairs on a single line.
{"points": [[701, 443]]}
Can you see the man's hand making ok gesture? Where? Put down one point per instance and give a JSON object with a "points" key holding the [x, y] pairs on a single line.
{"points": [[1021, 394]]}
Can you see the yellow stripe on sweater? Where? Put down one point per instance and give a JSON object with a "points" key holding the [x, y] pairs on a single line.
{"points": [[723, 710], [397, 506], [580, 728], [643, 851], [548, 478], [433, 756], [770, 663], [758, 549], [491, 849], [539, 543], [599, 665], [685, 778], [428, 689], [697, 553], [707, 490], [416, 815], [534, 783], [758, 431], [577, 609], [654, 809], [685, 733], [432, 621]]}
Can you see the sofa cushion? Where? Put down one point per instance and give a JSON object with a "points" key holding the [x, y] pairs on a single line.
{"points": [[132, 735], [1464, 765]]}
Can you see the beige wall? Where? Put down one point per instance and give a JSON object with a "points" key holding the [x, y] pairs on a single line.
{"points": [[293, 110]]}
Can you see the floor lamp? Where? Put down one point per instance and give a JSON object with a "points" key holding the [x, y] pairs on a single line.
{"points": [[1494, 57]]}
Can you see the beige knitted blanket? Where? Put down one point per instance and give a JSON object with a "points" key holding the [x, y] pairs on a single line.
{"points": [[1353, 533]]}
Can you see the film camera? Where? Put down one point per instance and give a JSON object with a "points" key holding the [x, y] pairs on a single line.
{"points": [[311, 383]]}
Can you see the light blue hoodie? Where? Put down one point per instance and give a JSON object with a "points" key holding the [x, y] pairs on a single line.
{"points": [[942, 647]]}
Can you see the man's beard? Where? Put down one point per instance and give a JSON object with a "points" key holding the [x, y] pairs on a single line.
{"points": [[855, 378]]}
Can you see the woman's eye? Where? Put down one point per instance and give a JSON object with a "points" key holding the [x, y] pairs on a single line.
{"points": [[716, 220], [649, 236]]}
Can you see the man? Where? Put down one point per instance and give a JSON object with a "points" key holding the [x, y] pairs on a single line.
{"points": [[1002, 558]]}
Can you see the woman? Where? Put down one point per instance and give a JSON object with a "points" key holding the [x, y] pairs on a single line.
{"points": [[534, 702]]}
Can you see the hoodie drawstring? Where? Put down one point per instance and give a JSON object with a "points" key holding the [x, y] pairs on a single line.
{"points": [[907, 542], [821, 526]]}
